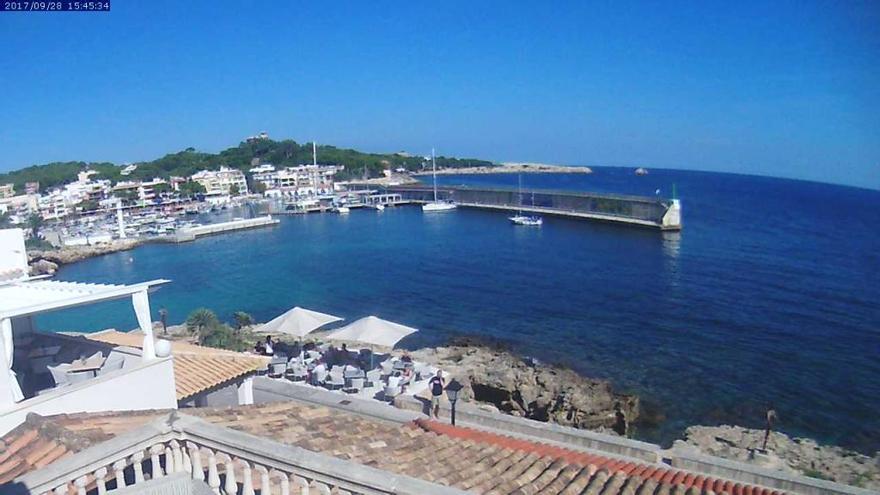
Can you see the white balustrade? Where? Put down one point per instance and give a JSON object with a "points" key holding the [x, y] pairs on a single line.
{"points": [[204, 455]]}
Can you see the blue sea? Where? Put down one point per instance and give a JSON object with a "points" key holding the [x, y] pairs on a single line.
{"points": [[769, 295]]}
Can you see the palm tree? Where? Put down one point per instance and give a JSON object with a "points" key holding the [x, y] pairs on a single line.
{"points": [[242, 319], [201, 320]]}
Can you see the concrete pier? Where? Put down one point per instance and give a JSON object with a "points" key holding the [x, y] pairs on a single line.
{"points": [[190, 234], [641, 211]]}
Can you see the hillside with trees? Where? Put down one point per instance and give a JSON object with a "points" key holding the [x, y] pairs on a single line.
{"points": [[244, 156]]}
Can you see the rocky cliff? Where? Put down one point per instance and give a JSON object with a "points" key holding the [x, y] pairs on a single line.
{"points": [[524, 388]]}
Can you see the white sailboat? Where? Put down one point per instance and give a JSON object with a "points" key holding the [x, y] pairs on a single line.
{"points": [[437, 205], [519, 218]]}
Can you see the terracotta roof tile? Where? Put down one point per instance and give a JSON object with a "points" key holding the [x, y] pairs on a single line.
{"points": [[464, 458]]}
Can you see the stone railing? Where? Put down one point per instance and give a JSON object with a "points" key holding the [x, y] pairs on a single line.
{"points": [[229, 461]]}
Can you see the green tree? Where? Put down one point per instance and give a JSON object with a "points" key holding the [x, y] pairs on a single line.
{"points": [[233, 190], [242, 319], [201, 321], [223, 337], [35, 223], [127, 196]]}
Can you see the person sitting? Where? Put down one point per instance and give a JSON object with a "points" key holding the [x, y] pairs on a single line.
{"points": [[406, 358]]}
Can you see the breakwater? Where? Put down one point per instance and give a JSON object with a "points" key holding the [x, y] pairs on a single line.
{"points": [[190, 234], [643, 211]]}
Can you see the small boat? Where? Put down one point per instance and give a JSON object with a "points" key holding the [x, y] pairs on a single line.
{"points": [[437, 205], [641, 171], [526, 220], [342, 210], [379, 207]]}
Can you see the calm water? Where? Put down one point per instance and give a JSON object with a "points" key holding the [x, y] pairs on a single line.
{"points": [[769, 295]]}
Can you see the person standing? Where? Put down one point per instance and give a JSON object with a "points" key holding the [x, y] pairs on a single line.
{"points": [[437, 384], [771, 418], [163, 317]]}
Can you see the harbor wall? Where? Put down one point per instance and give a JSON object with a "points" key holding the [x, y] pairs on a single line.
{"points": [[638, 210]]}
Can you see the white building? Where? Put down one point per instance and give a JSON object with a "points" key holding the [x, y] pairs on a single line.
{"points": [[303, 181], [48, 373], [7, 191], [265, 174], [53, 205], [220, 183]]}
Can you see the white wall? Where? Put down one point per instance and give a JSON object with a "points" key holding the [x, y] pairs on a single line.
{"points": [[12, 252], [150, 385]]}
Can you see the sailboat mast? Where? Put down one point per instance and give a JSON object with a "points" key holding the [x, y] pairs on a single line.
{"points": [[520, 195], [434, 169]]}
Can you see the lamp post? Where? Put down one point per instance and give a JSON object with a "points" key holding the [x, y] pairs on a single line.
{"points": [[452, 391]]}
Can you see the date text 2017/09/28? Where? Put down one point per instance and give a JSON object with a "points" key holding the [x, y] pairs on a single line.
{"points": [[54, 6]]}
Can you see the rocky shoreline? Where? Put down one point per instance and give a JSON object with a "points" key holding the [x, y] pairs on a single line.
{"points": [[46, 262], [512, 168], [791, 455], [524, 388]]}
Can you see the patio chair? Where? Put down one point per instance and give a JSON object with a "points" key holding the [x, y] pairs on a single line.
{"points": [[387, 367], [392, 390], [357, 384], [59, 374], [335, 379], [318, 376], [78, 377], [300, 374], [373, 377], [115, 361], [276, 370]]}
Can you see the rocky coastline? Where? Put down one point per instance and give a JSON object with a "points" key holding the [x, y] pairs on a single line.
{"points": [[525, 388], [46, 262], [801, 456], [511, 168]]}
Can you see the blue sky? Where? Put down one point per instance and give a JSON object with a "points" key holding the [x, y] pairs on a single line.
{"points": [[778, 88]]}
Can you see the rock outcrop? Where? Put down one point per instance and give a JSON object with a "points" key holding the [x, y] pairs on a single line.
{"points": [[793, 455], [524, 388], [42, 267], [71, 254]]}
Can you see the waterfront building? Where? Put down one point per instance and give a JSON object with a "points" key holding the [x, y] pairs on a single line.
{"points": [[304, 181], [48, 373], [53, 206], [220, 184], [265, 174], [7, 191], [31, 187]]}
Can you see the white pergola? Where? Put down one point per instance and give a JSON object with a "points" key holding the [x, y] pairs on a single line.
{"points": [[27, 297]]}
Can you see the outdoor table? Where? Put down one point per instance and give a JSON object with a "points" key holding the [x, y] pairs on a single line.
{"points": [[356, 373], [87, 366]]}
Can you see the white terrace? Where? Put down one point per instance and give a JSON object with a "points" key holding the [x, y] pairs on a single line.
{"points": [[53, 374]]}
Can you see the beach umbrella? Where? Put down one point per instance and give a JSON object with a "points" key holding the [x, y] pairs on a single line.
{"points": [[372, 331], [298, 322]]}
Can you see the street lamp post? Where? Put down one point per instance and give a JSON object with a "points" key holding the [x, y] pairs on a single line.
{"points": [[452, 391]]}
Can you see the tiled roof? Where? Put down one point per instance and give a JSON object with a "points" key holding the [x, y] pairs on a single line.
{"points": [[36, 443], [196, 368], [464, 458]]}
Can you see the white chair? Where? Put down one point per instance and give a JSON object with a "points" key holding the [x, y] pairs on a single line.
{"points": [[335, 380], [391, 390], [276, 370], [387, 367], [78, 377], [59, 374], [357, 384], [115, 361], [314, 354], [374, 377], [319, 374]]}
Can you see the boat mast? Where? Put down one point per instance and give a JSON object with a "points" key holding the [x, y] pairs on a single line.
{"points": [[519, 212], [434, 169]]}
